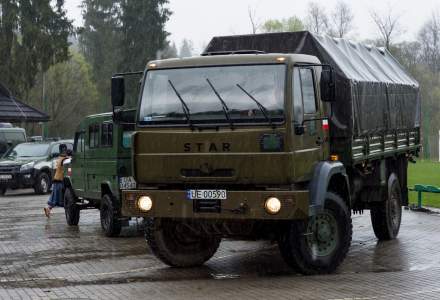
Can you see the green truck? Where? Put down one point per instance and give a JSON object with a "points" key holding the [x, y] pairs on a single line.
{"points": [[272, 136], [100, 169]]}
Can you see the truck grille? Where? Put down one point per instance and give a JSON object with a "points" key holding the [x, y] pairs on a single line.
{"points": [[207, 206], [208, 173]]}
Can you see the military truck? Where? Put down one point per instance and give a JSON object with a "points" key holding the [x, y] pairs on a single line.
{"points": [[100, 168], [272, 136]]}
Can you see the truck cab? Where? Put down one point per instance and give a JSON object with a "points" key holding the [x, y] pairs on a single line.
{"points": [[99, 170]]}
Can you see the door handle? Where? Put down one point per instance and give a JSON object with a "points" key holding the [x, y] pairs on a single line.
{"points": [[319, 141]]}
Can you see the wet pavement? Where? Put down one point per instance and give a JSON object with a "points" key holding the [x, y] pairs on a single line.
{"points": [[42, 258]]}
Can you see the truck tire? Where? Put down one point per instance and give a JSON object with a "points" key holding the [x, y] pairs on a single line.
{"points": [[386, 215], [42, 184], [175, 246], [71, 208], [109, 214], [319, 244]]}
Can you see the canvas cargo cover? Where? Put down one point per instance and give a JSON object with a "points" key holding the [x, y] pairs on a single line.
{"points": [[374, 94]]}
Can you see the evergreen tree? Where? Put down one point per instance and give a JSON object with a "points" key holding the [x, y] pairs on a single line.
{"points": [[187, 48], [33, 36]]}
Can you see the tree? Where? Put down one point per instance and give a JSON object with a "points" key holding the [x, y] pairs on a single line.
{"points": [[170, 51], [187, 48], [71, 93], [429, 39], [387, 24], [255, 22], [33, 36], [342, 19], [316, 20], [285, 25], [122, 35]]}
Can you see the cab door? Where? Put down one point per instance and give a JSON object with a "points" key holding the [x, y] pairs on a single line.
{"points": [[77, 174], [307, 126]]}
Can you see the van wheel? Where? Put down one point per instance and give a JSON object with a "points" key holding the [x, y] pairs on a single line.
{"points": [[319, 244], [110, 223], [42, 184], [386, 216], [178, 245], [71, 208]]}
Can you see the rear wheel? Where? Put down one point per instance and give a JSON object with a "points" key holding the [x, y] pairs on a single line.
{"points": [[71, 208], [386, 216], [42, 184], [319, 244], [177, 244], [110, 223]]}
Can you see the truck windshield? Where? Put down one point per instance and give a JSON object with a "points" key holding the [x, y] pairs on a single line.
{"points": [[28, 150], [208, 95]]}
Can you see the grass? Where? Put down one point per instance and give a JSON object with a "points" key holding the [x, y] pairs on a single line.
{"points": [[426, 173]]}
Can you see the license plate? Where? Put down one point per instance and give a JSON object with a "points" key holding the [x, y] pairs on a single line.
{"points": [[206, 194], [5, 177], [127, 183]]}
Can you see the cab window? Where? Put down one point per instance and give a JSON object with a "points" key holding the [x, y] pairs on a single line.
{"points": [[78, 146], [304, 95], [94, 136], [107, 135]]}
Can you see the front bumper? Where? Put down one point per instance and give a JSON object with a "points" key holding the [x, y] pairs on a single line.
{"points": [[246, 205], [18, 180]]}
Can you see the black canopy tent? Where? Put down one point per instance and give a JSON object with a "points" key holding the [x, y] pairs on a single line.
{"points": [[15, 111]]}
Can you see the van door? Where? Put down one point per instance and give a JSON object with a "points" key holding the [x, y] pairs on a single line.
{"points": [[77, 176], [307, 126]]}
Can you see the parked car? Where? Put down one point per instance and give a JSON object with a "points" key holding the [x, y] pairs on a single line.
{"points": [[30, 165], [10, 136]]}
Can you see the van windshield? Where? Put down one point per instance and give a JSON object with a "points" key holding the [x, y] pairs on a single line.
{"points": [[220, 94]]}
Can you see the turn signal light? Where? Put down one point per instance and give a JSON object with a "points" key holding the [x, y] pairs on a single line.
{"points": [[334, 157]]}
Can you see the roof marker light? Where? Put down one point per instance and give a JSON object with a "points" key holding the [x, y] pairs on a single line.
{"points": [[281, 59]]}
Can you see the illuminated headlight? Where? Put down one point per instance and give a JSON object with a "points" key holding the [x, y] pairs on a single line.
{"points": [[145, 203], [272, 205], [27, 166]]}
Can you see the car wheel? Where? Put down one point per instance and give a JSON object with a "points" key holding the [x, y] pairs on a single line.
{"points": [[110, 223], [71, 208], [319, 244], [42, 184], [178, 246]]}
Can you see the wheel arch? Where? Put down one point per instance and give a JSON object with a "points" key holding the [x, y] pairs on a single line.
{"points": [[328, 176]]}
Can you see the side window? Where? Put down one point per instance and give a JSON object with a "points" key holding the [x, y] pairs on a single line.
{"points": [[107, 135], [308, 91], [55, 151], [78, 146], [94, 136], [297, 97]]}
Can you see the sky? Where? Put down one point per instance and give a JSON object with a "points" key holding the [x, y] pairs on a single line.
{"points": [[200, 20]]}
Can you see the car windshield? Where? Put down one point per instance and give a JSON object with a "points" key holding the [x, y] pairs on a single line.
{"points": [[29, 150], [221, 94]]}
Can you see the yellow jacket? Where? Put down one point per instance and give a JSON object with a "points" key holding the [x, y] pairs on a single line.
{"points": [[59, 170]]}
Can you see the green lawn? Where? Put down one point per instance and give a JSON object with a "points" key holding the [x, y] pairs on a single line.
{"points": [[427, 173]]}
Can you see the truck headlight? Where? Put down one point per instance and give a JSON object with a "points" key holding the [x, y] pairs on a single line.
{"points": [[272, 205], [145, 203], [27, 166]]}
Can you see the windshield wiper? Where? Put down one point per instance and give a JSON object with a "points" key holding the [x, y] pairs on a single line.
{"points": [[184, 105], [225, 107], [263, 109]]}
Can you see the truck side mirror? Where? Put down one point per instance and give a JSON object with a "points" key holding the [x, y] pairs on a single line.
{"points": [[328, 84], [118, 91]]}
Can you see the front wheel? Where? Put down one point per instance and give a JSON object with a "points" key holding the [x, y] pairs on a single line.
{"points": [[110, 223], [386, 216], [179, 245], [319, 244], [42, 184], [71, 208]]}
